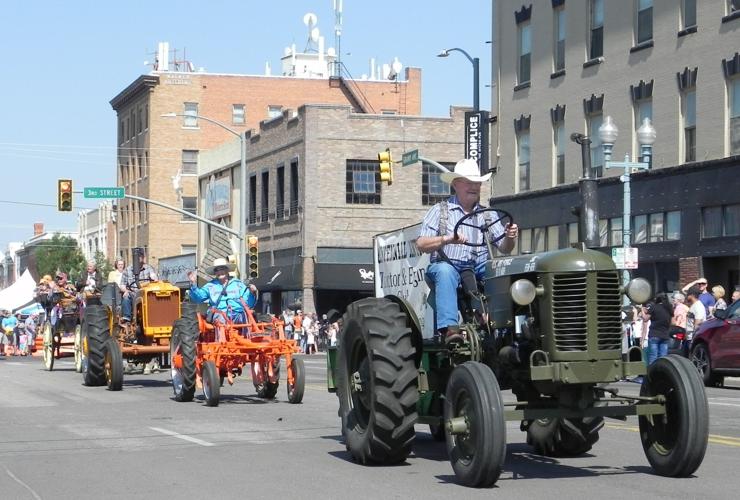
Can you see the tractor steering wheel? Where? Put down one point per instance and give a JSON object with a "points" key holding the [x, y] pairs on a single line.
{"points": [[502, 215]]}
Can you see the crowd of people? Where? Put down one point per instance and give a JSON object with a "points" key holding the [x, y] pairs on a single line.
{"points": [[311, 333]]}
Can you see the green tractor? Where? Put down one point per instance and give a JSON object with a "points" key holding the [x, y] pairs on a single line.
{"points": [[547, 326]]}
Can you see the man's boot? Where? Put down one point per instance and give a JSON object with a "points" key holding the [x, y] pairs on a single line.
{"points": [[453, 335]]}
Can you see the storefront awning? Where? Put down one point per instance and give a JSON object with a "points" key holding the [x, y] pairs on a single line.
{"points": [[344, 277], [276, 278]]}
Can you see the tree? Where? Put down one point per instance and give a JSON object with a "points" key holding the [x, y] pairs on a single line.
{"points": [[104, 267], [60, 253]]}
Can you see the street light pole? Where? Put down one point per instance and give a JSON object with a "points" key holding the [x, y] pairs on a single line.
{"points": [[476, 73], [243, 213], [608, 133]]}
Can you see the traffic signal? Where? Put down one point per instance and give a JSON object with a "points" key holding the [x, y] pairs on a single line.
{"points": [[386, 166], [253, 256], [64, 195]]}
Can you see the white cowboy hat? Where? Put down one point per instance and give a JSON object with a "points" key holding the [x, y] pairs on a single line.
{"points": [[220, 262], [465, 169]]}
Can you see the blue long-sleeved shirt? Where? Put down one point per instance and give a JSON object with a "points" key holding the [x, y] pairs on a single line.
{"points": [[11, 322], [211, 292]]}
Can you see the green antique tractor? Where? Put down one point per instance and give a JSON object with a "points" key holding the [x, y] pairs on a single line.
{"points": [[546, 326]]}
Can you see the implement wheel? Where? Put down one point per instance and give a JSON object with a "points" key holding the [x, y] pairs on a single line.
{"points": [[564, 437], [182, 358], [48, 347], [295, 390], [113, 365], [675, 443], [96, 334], [211, 383], [377, 382], [78, 348], [266, 388], [473, 406]]}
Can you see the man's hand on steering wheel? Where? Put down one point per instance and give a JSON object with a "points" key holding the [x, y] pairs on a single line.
{"points": [[511, 230]]}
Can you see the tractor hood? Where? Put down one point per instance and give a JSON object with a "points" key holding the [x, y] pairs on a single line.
{"points": [[566, 260]]}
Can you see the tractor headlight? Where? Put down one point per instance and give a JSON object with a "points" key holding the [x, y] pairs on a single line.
{"points": [[523, 292], [638, 290]]}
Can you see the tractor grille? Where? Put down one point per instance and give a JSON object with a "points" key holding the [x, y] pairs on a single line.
{"points": [[569, 312], [609, 310], [162, 310]]}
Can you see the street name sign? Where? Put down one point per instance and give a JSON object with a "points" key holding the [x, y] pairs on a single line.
{"points": [[104, 192], [410, 157]]}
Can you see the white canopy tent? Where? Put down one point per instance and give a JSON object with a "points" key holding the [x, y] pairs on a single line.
{"points": [[19, 294]]}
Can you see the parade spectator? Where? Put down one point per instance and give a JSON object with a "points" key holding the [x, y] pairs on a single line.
{"points": [[736, 294], [332, 334], [705, 297], [311, 333], [31, 327], [680, 311], [718, 292], [116, 275], [697, 312], [305, 325], [659, 314], [6, 336], [288, 323]]}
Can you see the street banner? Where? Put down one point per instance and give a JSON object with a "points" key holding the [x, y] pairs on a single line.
{"points": [[476, 138], [218, 197], [400, 269]]}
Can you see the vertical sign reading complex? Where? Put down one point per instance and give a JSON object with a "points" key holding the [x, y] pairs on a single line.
{"points": [[476, 138], [399, 271]]}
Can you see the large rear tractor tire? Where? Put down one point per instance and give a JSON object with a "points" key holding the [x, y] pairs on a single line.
{"points": [[211, 383], [48, 336], [94, 341], [182, 358], [78, 348], [113, 365], [675, 443], [296, 389], [377, 382], [473, 401]]}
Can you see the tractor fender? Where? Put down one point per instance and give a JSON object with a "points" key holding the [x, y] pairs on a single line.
{"points": [[413, 323]]}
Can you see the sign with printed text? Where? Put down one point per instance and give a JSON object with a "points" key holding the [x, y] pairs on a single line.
{"points": [[104, 192], [410, 157], [218, 197], [476, 138], [625, 258]]}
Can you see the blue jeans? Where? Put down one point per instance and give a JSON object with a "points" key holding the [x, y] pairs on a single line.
{"points": [[658, 349], [127, 305], [446, 279]]}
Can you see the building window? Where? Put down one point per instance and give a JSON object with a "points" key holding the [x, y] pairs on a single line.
{"points": [[189, 204], [733, 6], [615, 232], [553, 238], [522, 158], [639, 229], [688, 13], [280, 193], [597, 155], [656, 227], [673, 225], [189, 162], [191, 114], [644, 20], [735, 116], [731, 220], [559, 45], [237, 114], [603, 232], [252, 199], [433, 190], [274, 111], [525, 241], [293, 187], [559, 151], [689, 125], [596, 45], [525, 52], [146, 117], [265, 196], [643, 109], [363, 182], [539, 234], [186, 249], [720, 221], [572, 233]]}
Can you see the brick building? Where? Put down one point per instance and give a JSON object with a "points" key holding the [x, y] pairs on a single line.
{"points": [[562, 66], [316, 200], [152, 149]]}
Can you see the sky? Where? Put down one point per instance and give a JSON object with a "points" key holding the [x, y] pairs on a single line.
{"points": [[63, 61]]}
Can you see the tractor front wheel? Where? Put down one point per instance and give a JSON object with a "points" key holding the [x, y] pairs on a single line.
{"points": [[78, 348], [48, 347], [675, 443], [182, 358], [211, 383], [377, 382], [474, 414], [295, 390], [113, 365]]}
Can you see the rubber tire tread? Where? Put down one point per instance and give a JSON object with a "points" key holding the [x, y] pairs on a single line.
{"points": [[115, 382], [97, 332], [268, 390], [209, 374], [480, 383], [185, 334], [299, 377], [692, 435], [557, 439], [389, 433]]}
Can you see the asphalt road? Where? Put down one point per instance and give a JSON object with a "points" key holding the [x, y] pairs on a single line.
{"points": [[61, 440]]}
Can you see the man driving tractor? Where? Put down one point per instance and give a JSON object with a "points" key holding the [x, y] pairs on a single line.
{"points": [[132, 280], [451, 252]]}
